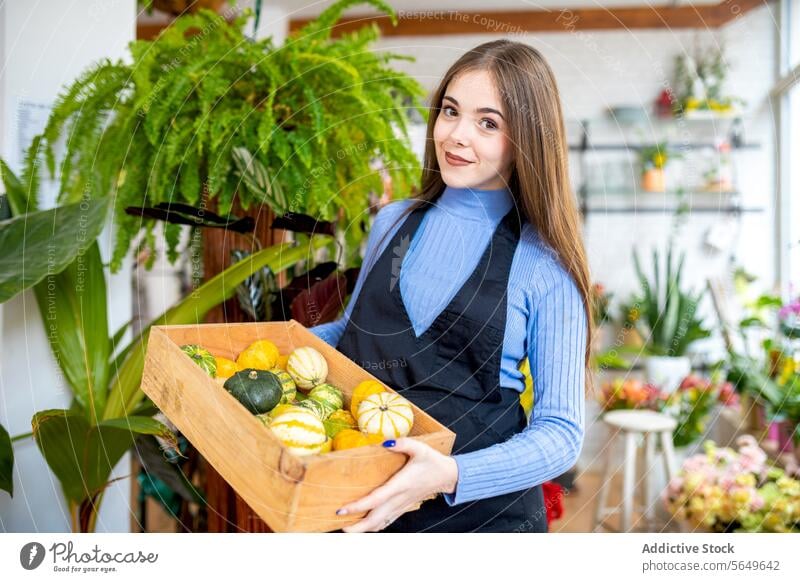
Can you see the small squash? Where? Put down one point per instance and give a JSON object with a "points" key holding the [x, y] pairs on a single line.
{"points": [[226, 368], [289, 387], [385, 414], [258, 390], [338, 421], [301, 432], [329, 395], [307, 367], [202, 357], [363, 390], [320, 410], [260, 355]]}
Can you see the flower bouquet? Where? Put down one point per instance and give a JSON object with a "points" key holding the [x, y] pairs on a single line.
{"points": [[627, 393], [734, 491]]}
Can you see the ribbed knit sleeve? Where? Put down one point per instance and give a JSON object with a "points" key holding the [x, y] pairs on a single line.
{"points": [[549, 446]]}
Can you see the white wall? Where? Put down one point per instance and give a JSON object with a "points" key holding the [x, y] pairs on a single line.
{"points": [[43, 46]]}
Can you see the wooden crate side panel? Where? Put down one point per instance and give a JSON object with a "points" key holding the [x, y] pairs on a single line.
{"points": [[239, 447], [331, 482], [230, 339]]}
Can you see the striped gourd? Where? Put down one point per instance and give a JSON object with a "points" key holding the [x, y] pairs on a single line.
{"points": [[300, 431], [329, 395], [307, 367], [289, 388], [319, 409], [385, 413]]}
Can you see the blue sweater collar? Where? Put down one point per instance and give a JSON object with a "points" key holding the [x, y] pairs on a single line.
{"points": [[476, 204]]}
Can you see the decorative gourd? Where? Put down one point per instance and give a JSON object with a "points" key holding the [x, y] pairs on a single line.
{"points": [[387, 414], [316, 407], [202, 357], [307, 367], [282, 361], [289, 388], [300, 431], [260, 355], [329, 395], [338, 421], [226, 368], [281, 408], [349, 438], [363, 390], [258, 390]]}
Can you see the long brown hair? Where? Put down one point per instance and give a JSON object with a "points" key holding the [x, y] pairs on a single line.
{"points": [[539, 180]]}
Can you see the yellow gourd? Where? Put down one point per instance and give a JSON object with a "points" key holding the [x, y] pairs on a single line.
{"points": [[260, 355], [226, 368], [364, 389]]}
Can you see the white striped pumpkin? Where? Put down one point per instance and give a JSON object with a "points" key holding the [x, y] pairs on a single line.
{"points": [[385, 413], [307, 367], [300, 431]]}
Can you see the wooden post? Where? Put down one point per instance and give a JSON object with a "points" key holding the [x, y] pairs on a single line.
{"points": [[227, 512]]}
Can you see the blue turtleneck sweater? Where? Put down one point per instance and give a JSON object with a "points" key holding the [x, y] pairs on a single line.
{"points": [[545, 322]]}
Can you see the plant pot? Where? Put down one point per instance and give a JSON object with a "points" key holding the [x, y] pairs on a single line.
{"points": [[667, 372], [631, 338], [653, 180]]}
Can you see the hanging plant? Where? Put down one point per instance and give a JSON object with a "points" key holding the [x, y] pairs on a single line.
{"points": [[196, 110]]}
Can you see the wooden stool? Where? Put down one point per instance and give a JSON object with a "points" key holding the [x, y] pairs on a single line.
{"points": [[632, 423]]}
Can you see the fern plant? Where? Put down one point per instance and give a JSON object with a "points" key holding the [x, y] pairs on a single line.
{"points": [[324, 117]]}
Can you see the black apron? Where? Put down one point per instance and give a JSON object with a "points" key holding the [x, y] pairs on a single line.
{"points": [[452, 371]]}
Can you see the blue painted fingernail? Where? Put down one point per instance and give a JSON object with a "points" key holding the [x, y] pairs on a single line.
{"points": [[341, 512], [389, 443]]}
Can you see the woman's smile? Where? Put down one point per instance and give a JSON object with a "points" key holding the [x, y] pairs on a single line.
{"points": [[455, 160]]}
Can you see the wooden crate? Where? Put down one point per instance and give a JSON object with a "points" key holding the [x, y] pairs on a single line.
{"points": [[289, 492]]}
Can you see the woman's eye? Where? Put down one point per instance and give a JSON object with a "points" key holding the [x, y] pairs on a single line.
{"points": [[489, 124], [447, 109]]}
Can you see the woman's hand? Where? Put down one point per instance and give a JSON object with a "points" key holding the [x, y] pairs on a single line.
{"points": [[427, 472]]}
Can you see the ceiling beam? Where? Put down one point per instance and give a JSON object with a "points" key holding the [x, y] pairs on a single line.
{"points": [[508, 22], [439, 22]]}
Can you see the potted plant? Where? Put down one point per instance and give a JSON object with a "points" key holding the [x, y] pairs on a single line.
{"points": [[325, 118], [699, 84], [667, 321], [654, 159]]}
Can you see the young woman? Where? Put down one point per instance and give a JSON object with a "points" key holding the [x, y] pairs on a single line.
{"points": [[484, 267]]}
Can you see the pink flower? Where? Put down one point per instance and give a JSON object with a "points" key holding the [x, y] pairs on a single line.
{"points": [[727, 395]]}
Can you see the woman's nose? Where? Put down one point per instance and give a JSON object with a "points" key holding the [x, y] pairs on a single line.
{"points": [[460, 132]]}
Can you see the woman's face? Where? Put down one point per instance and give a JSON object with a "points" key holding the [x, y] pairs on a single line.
{"points": [[471, 125]]}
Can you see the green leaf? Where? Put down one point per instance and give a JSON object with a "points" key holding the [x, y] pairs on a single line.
{"points": [[15, 191], [45, 242], [752, 322], [6, 462], [74, 313], [82, 456], [255, 176]]}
